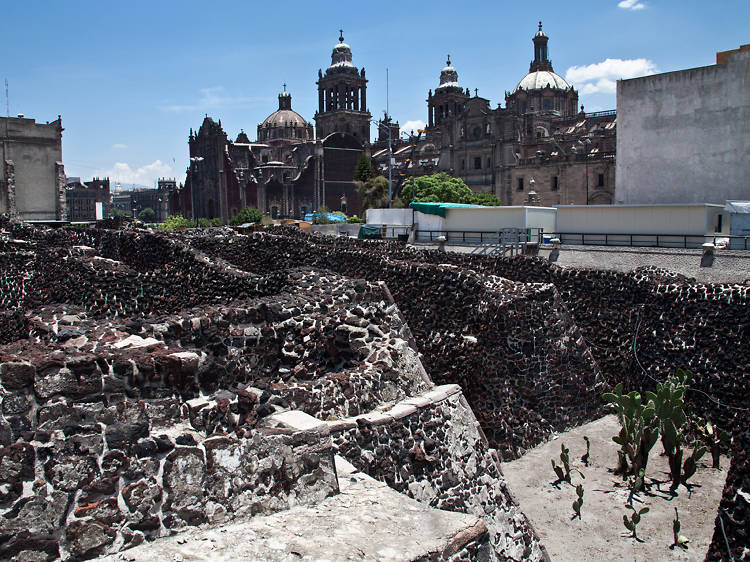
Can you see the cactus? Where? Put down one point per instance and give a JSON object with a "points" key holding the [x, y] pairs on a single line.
{"points": [[562, 470], [639, 431], [691, 464], [558, 471], [635, 518], [679, 540], [715, 440], [585, 458], [579, 502], [671, 412], [635, 483]]}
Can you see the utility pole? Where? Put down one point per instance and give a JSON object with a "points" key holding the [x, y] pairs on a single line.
{"points": [[390, 150]]}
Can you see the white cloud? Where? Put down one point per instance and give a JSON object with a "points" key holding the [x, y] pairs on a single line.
{"points": [[601, 77], [144, 175], [631, 5], [412, 126], [119, 146], [212, 98]]}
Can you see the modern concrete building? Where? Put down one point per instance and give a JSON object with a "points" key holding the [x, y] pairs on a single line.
{"points": [[683, 137], [32, 176]]}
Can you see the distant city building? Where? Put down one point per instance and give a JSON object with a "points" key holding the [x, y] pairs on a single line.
{"points": [[540, 135], [87, 201], [132, 202], [684, 135], [288, 171], [32, 175]]}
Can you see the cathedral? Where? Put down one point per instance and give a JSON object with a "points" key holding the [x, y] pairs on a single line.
{"points": [[289, 170], [541, 148]]}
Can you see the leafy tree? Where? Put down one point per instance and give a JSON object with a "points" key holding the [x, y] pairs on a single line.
{"points": [[208, 223], [436, 188], [176, 221], [373, 193], [364, 170], [118, 213], [147, 215], [246, 215], [486, 199]]}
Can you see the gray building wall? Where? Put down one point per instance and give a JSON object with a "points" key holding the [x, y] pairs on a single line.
{"points": [[683, 137], [32, 178]]}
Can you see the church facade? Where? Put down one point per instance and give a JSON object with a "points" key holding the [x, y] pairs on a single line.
{"points": [[540, 141], [541, 147], [288, 171]]}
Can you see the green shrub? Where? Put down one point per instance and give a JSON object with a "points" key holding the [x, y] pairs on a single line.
{"points": [[246, 215], [208, 223], [354, 219]]}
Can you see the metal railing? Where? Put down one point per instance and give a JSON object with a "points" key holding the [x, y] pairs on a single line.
{"points": [[647, 240], [466, 236]]}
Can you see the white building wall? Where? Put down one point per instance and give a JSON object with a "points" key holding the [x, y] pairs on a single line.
{"points": [[401, 217], [683, 136]]}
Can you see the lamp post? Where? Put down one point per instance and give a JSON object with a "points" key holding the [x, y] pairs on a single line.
{"points": [[193, 161]]}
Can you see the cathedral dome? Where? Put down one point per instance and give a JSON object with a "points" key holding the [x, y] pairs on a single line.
{"points": [[541, 79], [284, 117]]}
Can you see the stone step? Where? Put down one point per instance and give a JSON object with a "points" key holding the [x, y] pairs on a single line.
{"points": [[366, 521]]}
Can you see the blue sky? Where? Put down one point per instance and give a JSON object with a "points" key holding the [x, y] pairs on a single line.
{"points": [[131, 78]]}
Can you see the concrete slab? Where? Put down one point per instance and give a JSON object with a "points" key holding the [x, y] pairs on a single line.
{"points": [[366, 521]]}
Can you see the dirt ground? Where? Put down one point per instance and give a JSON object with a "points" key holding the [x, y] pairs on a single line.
{"points": [[600, 534]]}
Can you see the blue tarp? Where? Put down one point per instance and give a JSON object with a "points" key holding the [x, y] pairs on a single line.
{"points": [[330, 216]]}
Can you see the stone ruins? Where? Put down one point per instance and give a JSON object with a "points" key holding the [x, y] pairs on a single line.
{"points": [[161, 389]]}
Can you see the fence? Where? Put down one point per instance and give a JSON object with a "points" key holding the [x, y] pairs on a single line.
{"points": [[647, 240]]}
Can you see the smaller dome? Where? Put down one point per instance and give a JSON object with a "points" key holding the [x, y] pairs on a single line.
{"points": [[448, 76], [541, 79], [284, 118]]}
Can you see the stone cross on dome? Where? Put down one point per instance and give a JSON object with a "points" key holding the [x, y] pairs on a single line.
{"points": [[448, 62], [540, 25], [341, 35], [284, 84]]}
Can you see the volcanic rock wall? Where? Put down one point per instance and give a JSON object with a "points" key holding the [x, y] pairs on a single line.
{"points": [[512, 347], [640, 327], [123, 421]]}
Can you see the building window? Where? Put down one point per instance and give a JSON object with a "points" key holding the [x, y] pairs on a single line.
{"points": [[547, 103], [463, 164], [520, 184], [600, 182], [478, 163], [489, 162], [555, 185]]}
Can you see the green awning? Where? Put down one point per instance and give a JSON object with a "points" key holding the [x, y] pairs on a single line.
{"points": [[438, 208]]}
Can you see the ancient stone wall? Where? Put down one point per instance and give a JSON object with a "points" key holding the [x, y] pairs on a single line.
{"points": [[434, 451]]}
